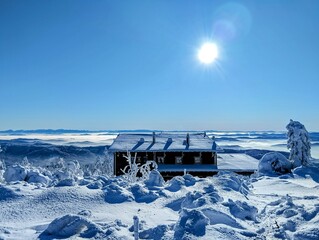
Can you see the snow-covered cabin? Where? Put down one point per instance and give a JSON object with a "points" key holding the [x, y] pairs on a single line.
{"points": [[167, 149]]}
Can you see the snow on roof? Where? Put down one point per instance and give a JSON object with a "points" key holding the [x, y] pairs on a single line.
{"points": [[163, 142], [236, 162]]}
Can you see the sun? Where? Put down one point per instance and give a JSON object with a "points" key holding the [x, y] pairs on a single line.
{"points": [[208, 53]]}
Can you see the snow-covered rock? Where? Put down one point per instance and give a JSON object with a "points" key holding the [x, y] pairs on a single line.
{"points": [[15, 173], [143, 195], [155, 180], [117, 194], [175, 184], [274, 163], [70, 225], [192, 222], [194, 200], [156, 233], [95, 185], [34, 176]]}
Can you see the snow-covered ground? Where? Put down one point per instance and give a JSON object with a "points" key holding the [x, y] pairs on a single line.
{"points": [[226, 206], [45, 204]]}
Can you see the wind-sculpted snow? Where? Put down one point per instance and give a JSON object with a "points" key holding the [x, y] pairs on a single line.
{"points": [[176, 183], [230, 181], [241, 210], [225, 206], [117, 194], [308, 172], [70, 225], [156, 233], [191, 222]]}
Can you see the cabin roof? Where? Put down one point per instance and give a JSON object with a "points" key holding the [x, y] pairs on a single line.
{"points": [[170, 142]]}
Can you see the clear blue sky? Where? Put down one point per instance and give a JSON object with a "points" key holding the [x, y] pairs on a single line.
{"points": [[132, 64]]}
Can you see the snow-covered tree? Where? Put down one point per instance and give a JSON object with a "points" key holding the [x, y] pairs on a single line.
{"points": [[298, 143], [2, 167], [103, 165], [25, 162]]}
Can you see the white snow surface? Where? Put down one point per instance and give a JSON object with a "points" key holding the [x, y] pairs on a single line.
{"points": [[225, 206], [163, 141], [236, 162]]}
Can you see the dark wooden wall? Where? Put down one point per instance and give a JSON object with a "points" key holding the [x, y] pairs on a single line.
{"points": [[169, 158]]}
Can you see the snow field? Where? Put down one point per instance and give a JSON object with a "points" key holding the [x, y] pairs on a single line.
{"points": [[226, 206]]}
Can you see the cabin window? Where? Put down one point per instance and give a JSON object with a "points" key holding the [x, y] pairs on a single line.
{"points": [[198, 160], [160, 159], [178, 160]]}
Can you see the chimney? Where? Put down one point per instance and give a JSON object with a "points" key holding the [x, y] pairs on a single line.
{"points": [[154, 137], [187, 139]]}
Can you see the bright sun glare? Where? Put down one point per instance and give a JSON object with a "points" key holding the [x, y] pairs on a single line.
{"points": [[208, 53]]}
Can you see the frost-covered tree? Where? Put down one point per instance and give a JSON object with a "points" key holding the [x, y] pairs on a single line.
{"points": [[102, 166], [133, 169], [298, 143], [25, 162], [2, 167]]}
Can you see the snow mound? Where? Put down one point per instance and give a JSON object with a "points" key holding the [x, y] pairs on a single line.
{"points": [[143, 195], [68, 182], [274, 163], [155, 180], [311, 233], [230, 181], [241, 210], [156, 233], [189, 180], [95, 185], [117, 194], [213, 194], [194, 200], [34, 176], [175, 205], [175, 184], [217, 217], [70, 225], [307, 171], [191, 222], [15, 173]]}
